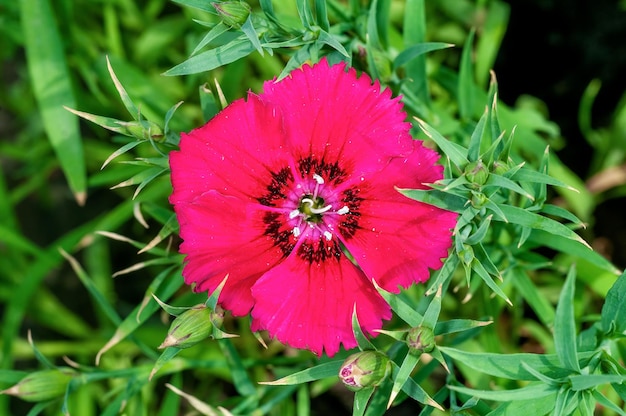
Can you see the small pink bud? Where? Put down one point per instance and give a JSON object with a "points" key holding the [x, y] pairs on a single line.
{"points": [[364, 369]]}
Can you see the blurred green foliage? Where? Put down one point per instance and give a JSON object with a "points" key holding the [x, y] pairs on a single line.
{"points": [[509, 326]]}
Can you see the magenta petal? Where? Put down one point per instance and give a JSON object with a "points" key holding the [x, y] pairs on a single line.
{"points": [[223, 235], [337, 116], [400, 239], [234, 153], [309, 305]]}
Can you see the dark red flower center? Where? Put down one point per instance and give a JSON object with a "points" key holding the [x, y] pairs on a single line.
{"points": [[311, 203]]}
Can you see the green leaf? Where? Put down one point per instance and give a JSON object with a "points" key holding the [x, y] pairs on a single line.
{"points": [[510, 365], [414, 33], [565, 325], [506, 183], [444, 200], [214, 58], [478, 268], [432, 312], [613, 319], [466, 79], [526, 218], [532, 391], [214, 33], [166, 355], [330, 40], [361, 398], [402, 375], [361, 339], [325, 370], [163, 288], [321, 14], [540, 305], [602, 399], [565, 245], [248, 29], [532, 176], [458, 325], [455, 152], [534, 406], [591, 381], [197, 4], [241, 380], [416, 392], [52, 88], [406, 312], [419, 49]]}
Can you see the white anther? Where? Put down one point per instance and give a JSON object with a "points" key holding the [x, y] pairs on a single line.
{"points": [[328, 235], [316, 210], [293, 214], [296, 232], [318, 179], [343, 210]]}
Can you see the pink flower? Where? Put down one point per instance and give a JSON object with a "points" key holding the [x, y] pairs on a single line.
{"points": [[273, 192]]}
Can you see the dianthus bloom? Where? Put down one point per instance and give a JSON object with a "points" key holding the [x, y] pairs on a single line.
{"points": [[275, 190]]}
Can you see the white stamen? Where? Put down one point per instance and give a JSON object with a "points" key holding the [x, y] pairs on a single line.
{"points": [[343, 210], [293, 214], [296, 232], [318, 179], [315, 210], [328, 235]]}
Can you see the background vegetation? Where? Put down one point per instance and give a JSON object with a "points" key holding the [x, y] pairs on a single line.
{"points": [[83, 249]]}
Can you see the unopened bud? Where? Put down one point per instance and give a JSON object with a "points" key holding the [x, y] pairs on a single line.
{"points": [[364, 369], [476, 173], [467, 254], [190, 327], [143, 130], [499, 167], [233, 13], [41, 385], [420, 339], [478, 200]]}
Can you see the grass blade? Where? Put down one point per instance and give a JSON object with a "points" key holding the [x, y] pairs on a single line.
{"points": [[52, 88]]}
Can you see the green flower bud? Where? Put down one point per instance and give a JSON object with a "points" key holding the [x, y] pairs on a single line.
{"points": [[479, 200], [41, 385], [364, 369], [467, 254], [476, 173], [233, 13], [143, 130], [190, 327], [499, 167], [420, 339]]}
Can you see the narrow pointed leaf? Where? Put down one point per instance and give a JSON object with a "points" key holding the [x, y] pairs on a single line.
{"points": [[361, 398], [407, 313], [361, 339], [526, 218], [214, 58], [565, 325], [402, 375], [613, 319], [532, 391], [325, 370], [419, 49], [509, 366], [52, 87], [455, 152]]}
